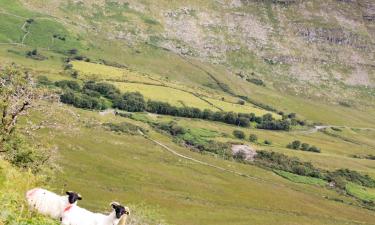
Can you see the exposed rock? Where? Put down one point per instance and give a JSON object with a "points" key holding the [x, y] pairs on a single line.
{"points": [[246, 152]]}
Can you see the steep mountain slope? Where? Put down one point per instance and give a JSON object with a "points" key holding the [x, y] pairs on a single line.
{"points": [[315, 54], [309, 48]]}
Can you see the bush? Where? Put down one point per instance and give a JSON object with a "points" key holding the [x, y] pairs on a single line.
{"points": [[314, 149], [305, 147], [267, 142], [131, 102], [253, 138], [172, 128], [274, 125], [240, 155], [282, 162], [82, 101], [125, 127], [256, 81], [43, 80], [107, 90], [239, 134], [352, 176], [72, 84], [294, 145]]}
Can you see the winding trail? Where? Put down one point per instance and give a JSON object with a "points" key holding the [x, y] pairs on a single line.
{"points": [[196, 160], [201, 162], [27, 32]]}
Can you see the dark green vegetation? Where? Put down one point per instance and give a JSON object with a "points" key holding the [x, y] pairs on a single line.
{"points": [[297, 145], [91, 95], [239, 134], [340, 178]]}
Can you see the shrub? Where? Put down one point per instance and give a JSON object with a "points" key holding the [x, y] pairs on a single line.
{"points": [[82, 100], [268, 142], [274, 125], [105, 89], [305, 147], [43, 80], [172, 128], [336, 129], [240, 155], [243, 122], [131, 101], [256, 81], [352, 176], [239, 134], [295, 144], [125, 127], [72, 51], [314, 149], [72, 84], [282, 162], [253, 138]]}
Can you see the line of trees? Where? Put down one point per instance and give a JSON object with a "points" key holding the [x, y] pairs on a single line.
{"points": [[298, 145], [101, 95]]}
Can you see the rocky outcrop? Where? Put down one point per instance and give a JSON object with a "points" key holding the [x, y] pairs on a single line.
{"points": [[337, 36]]}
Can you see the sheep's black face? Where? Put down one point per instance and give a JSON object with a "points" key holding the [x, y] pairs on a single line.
{"points": [[73, 197], [120, 210]]}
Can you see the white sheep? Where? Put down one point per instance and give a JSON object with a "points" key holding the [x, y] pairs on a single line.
{"points": [[50, 204], [80, 216]]}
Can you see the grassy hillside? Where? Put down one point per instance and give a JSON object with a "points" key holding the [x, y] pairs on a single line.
{"points": [[104, 165], [13, 186]]}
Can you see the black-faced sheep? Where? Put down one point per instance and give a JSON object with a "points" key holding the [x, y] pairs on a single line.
{"points": [[76, 215], [50, 204]]}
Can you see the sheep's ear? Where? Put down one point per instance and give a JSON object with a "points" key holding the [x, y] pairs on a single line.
{"points": [[114, 204], [68, 192], [79, 197]]}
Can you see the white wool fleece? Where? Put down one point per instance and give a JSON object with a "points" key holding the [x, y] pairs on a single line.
{"points": [[47, 203], [80, 216]]}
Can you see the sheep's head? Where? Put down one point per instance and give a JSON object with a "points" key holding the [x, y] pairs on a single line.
{"points": [[73, 196], [120, 210]]}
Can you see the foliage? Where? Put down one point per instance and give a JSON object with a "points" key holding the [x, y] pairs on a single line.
{"points": [[256, 81], [275, 125], [71, 84], [253, 138], [282, 162], [124, 127], [239, 134], [43, 80], [12, 193], [297, 145], [17, 95], [239, 119], [105, 89], [131, 102], [352, 176], [83, 100], [301, 179], [365, 194], [172, 128], [267, 142]]}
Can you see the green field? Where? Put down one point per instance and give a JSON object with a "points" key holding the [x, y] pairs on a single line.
{"points": [[365, 194], [301, 179]]}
